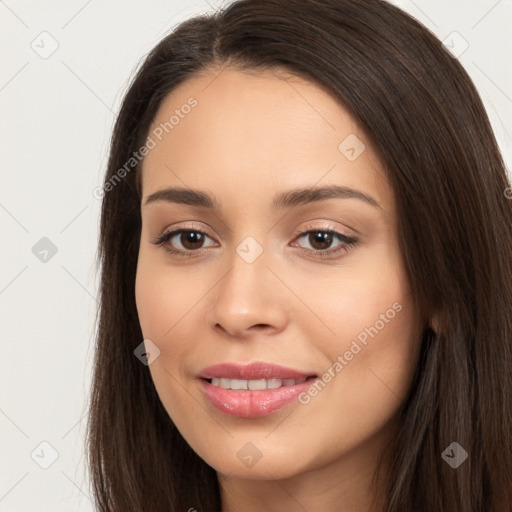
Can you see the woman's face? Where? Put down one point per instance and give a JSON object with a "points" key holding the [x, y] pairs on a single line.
{"points": [[312, 281]]}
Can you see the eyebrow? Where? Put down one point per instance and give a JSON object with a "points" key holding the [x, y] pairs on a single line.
{"points": [[286, 199]]}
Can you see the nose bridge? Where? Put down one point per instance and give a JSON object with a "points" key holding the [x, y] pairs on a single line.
{"points": [[247, 296], [248, 277]]}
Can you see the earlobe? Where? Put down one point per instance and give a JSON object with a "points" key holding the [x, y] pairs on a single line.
{"points": [[434, 324]]}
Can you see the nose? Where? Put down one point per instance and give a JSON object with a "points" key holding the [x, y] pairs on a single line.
{"points": [[248, 300]]}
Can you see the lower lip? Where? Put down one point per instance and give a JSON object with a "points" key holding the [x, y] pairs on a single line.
{"points": [[253, 404]]}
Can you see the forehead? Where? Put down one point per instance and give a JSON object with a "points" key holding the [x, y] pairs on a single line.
{"points": [[235, 105], [258, 130]]}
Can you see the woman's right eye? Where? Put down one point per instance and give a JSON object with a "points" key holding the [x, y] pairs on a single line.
{"points": [[190, 240]]}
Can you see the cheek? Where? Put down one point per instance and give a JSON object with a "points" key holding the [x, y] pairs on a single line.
{"points": [[368, 292], [375, 336], [168, 301], [370, 365], [164, 303], [149, 301], [163, 296], [378, 341]]}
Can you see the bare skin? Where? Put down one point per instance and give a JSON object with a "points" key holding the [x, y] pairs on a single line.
{"points": [[252, 136]]}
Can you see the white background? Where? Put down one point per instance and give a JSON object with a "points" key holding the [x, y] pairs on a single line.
{"points": [[56, 119]]}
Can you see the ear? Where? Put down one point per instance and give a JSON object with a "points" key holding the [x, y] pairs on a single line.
{"points": [[434, 323]]}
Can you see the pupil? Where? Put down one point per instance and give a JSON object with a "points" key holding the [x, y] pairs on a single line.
{"points": [[191, 239], [322, 238]]}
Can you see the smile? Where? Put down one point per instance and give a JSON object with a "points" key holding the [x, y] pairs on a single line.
{"points": [[254, 385], [249, 399]]}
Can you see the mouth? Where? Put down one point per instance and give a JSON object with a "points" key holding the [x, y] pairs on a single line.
{"points": [[253, 399], [255, 384], [255, 390], [256, 371]]}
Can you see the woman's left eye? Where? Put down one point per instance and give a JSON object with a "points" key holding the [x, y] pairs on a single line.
{"points": [[320, 242]]}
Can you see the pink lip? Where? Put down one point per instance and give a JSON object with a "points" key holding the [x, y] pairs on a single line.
{"points": [[252, 404], [252, 371], [248, 403]]}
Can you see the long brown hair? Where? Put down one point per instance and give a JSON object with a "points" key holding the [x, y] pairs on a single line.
{"points": [[429, 127]]}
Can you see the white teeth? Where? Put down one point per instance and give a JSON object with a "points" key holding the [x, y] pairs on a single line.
{"points": [[257, 384], [224, 383], [238, 384], [254, 385], [274, 383]]}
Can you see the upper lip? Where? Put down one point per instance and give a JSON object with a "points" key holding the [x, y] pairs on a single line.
{"points": [[253, 371]]}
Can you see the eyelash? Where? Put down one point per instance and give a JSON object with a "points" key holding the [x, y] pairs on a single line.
{"points": [[348, 242]]}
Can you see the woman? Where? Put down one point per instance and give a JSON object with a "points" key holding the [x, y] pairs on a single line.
{"points": [[306, 258]]}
